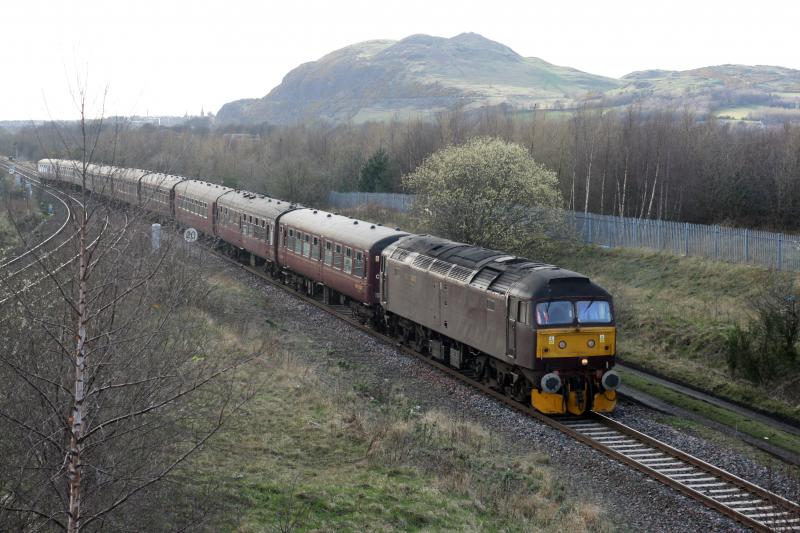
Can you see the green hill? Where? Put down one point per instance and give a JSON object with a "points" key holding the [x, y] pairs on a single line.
{"points": [[421, 75], [377, 80]]}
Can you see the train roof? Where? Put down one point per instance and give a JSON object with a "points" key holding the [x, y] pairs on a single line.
{"points": [[201, 190], [160, 180], [354, 232], [255, 204], [494, 270]]}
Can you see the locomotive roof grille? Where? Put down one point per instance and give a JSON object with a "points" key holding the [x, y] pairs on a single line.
{"points": [[485, 278], [504, 282]]}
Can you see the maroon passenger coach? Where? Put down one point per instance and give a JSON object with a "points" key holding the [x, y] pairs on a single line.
{"points": [[339, 252]]}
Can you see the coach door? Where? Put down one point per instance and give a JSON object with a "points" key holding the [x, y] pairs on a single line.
{"points": [[511, 327]]}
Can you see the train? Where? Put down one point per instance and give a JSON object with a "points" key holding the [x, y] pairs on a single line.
{"points": [[542, 335]]}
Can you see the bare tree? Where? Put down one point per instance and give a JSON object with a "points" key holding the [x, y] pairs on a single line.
{"points": [[109, 378]]}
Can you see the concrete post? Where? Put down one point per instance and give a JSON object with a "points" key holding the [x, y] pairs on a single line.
{"points": [[155, 236]]}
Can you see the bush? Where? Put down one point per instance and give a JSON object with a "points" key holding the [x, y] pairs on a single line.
{"points": [[768, 348], [486, 192]]}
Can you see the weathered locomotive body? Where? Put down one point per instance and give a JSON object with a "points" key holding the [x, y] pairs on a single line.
{"points": [[542, 334], [483, 310]]}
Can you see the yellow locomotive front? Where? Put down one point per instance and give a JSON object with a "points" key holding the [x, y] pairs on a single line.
{"points": [[574, 347]]}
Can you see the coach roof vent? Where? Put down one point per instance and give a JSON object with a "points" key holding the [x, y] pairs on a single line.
{"points": [[355, 222], [329, 215]]}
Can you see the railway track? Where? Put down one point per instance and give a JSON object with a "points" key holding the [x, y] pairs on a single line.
{"points": [[745, 502], [30, 254], [12, 281]]}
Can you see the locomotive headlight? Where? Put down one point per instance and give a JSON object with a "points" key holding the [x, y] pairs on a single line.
{"points": [[562, 344], [584, 361], [551, 382], [611, 380], [590, 343]]}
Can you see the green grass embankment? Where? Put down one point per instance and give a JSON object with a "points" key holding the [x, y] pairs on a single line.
{"points": [[336, 454], [673, 313]]}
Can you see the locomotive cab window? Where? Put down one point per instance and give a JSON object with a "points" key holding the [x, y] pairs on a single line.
{"points": [[523, 309], [555, 313], [593, 312]]}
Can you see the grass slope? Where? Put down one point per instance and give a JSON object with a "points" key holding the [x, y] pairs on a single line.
{"points": [[321, 451]]}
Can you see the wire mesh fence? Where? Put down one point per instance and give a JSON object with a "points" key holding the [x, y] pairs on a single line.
{"points": [[734, 245]]}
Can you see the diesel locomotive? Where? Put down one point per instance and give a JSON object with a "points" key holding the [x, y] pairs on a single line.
{"points": [[543, 335]]}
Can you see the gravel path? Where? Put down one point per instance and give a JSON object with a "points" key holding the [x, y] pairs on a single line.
{"points": [[632, 500]]}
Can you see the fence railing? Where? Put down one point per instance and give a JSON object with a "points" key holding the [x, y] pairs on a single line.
{"points": [[734, 245]]}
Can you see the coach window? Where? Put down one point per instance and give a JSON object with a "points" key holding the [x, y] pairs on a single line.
{"points": [[358, 268], [307, 245], [328, 253], [298, 243], [290, 243], [348, 260], [337, 257], [315, 249]]}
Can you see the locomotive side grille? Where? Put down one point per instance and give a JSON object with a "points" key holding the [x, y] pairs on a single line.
{"points": [[460, 273], [399, 254], [422, 262], [441, 267]]}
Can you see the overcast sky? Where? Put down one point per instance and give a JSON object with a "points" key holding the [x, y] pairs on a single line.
{"points": [[170, 57]]}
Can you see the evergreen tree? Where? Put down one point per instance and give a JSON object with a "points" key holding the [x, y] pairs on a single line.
{"points": [[375, 175]]}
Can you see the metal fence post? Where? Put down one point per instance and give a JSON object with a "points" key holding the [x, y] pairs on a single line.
{"points": [[686, 239], [716, 242], [780, 251], [746, 246], [589, 236]]}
